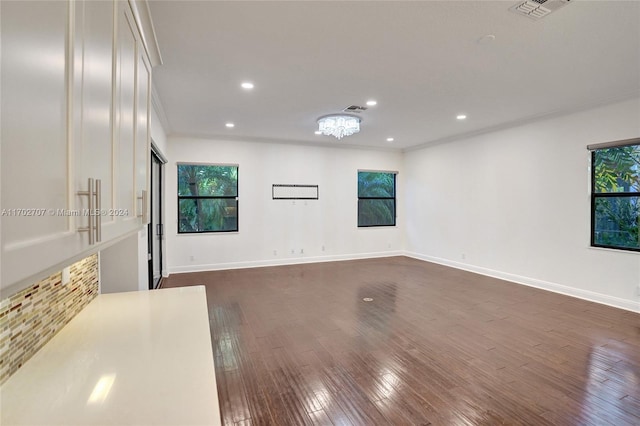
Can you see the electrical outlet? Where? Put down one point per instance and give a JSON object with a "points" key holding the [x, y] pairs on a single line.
{"points": [[301, 251], [66, 276], [322, 248], [192, 258], [293, 251], [463, 256], [275, 252]]}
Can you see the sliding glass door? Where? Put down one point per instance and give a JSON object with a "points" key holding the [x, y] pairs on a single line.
{"points": [[156, 225]]}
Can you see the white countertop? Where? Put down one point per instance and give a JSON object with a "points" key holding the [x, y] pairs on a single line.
{"points": [[140, 358]]}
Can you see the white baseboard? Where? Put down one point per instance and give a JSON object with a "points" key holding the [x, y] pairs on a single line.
{"points": [[280, 262], [616, 302]]}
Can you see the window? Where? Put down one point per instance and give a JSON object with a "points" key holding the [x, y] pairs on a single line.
{"points": [[615, 195], [376, 199], [207, 198]]}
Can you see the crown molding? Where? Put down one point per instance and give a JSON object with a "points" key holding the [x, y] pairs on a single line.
{"points": [[142, 15]]}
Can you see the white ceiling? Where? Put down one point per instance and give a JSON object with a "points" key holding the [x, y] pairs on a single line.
{"points": [[421, 60]]}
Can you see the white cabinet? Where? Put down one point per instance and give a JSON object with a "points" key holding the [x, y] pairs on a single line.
{"points": [[125, 119], [143, 137], [93, 136], [75, 104], [36, 139]]}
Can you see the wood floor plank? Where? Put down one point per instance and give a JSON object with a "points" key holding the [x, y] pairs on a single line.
{"points": [[298, 345]]}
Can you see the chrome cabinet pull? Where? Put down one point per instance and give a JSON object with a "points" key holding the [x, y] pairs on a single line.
{"points": [[98, 216], [91, 226], [143, 197]]}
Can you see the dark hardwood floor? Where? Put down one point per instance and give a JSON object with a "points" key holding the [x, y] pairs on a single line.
{"points": [[297, 345]]}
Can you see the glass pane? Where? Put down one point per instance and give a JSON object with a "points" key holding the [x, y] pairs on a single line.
{"points": [[617, 169], [207, 180], [616, 222], [376, 212], [208, 215], [376, 184]]}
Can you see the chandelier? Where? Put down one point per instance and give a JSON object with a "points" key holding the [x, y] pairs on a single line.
{"points": [[338, 125]]}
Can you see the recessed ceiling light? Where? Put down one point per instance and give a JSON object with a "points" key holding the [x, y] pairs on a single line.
{"points": [[230, 125], [372, 102], [461, 117], [486, 39], [247, 85], [390, 139]]}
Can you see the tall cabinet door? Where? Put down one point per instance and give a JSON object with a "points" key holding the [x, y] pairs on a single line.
{"points": [[93, 128], [37, 190], [125, 120], [143, 143]]}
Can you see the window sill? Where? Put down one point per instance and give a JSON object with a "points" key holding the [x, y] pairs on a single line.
{"points": [[612, 250], [181, 234]]}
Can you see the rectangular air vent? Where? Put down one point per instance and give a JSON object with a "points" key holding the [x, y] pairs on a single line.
{"points": [[534, 9], [355, 108], [294, 192]]}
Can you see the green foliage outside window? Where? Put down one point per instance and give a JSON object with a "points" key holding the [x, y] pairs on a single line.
{"points": [[207, 198], [616, 197], [376, 199]]}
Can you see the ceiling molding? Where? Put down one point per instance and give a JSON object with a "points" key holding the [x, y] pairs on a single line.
{"points": [[227, 138], [156, 104], [142, 15], [522, 122]]}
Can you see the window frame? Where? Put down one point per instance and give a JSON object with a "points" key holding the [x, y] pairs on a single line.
{"points": [[602, 195], [208, 197], [394, 198]]}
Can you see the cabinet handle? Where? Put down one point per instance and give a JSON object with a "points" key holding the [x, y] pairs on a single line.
{"points": [[98, 225], [90, 228], [143, 197]]}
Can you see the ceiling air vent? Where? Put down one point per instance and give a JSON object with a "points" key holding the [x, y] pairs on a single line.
{"points": [[355, 108], [536, 9]]}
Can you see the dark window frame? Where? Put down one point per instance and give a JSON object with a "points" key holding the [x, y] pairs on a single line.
{"points": [[602, 195], [209, 197], [395, 176]]}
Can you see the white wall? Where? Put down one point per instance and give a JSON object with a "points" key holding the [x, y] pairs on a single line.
{"points": [[267, 225], [119, 266], [515, 204], [159, 137], [158, 132]]}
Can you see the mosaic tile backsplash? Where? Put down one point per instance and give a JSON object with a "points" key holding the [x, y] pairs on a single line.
{"points": [[30, 318]]}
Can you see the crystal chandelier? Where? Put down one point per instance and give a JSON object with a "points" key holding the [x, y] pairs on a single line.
{"points": [[338, 125]]}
